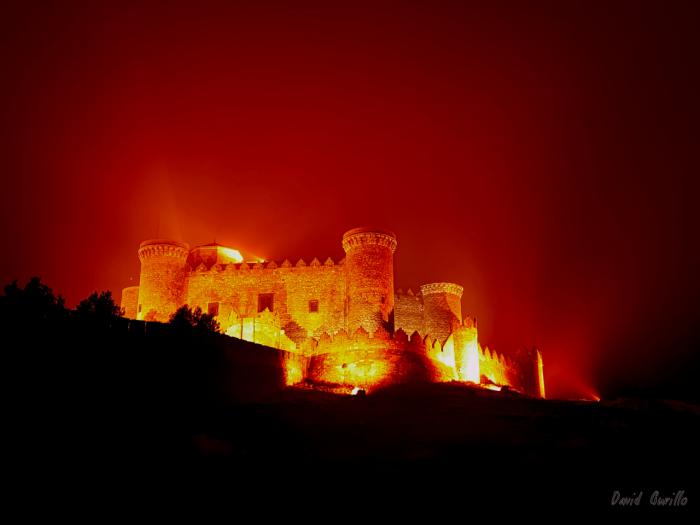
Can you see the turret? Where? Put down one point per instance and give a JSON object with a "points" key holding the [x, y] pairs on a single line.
{"points": [[130, 301], [442, 308], [466, 340], [539, 370], [163, 278], [369, 273]]}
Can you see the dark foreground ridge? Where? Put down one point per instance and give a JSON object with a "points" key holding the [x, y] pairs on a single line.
{"points": [[131, 412]]}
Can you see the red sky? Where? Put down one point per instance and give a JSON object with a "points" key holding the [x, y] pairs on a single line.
{"points": [[542, 155]]}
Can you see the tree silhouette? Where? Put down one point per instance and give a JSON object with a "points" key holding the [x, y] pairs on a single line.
{"points": [[99, 308], [35, 303], [186, 319]]}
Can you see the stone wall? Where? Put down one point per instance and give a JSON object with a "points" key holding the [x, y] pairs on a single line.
{"points": [[408, 312], [467, 362], [130, 301], [309, 309], [442, 308], [498, 369], [264, 328], [361, 361], [237, 288]]}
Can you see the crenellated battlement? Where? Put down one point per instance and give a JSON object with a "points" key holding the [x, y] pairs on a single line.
{"points": [[368, 236], [301, 264], [163, 248], [441, 288], [358, 358]]}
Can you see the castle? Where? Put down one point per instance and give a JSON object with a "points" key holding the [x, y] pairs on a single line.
{"points": [[336, 323]]}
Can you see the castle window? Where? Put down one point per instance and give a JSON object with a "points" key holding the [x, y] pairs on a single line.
{"points": [[313, 305], [266, 300], [140, 308], [213, 309]]}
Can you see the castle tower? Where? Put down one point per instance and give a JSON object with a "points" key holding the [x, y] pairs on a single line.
{"points": [[163, 279], [369, 273], [130, 301], [466, 339], [540, 373], [442, 308]]}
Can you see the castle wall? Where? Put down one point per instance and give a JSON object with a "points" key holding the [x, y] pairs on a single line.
{"points": [[361, 361], [394, 338], [498, 369], [264, 328], [408, 312], [236, 287], [442, 308], [442, 354], [130, 301], [467, 363]]}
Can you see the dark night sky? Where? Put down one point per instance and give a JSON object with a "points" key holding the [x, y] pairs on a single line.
{"points": [[542, 155]]}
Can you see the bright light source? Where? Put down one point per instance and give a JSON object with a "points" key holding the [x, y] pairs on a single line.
{"points": [[230, 255]]}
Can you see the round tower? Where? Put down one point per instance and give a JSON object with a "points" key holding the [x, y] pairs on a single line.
{"points": [[130, 301], [369, 271], [442, 308], [163, 279]]}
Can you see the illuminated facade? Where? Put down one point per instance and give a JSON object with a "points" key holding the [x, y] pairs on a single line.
{"points": [[342, 322]]}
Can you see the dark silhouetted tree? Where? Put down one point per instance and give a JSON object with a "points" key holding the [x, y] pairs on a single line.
{"points": [[186, 319], [34, 304], [98, 308]]}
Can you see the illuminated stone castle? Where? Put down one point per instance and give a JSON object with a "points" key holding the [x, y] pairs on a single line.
{"points": [[339, 324]]}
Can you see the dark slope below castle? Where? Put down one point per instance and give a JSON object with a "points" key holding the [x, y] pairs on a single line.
{"points": [[98, 411]]}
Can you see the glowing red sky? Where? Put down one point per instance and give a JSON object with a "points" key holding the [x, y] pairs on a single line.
{"points": [[540, 155]]}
